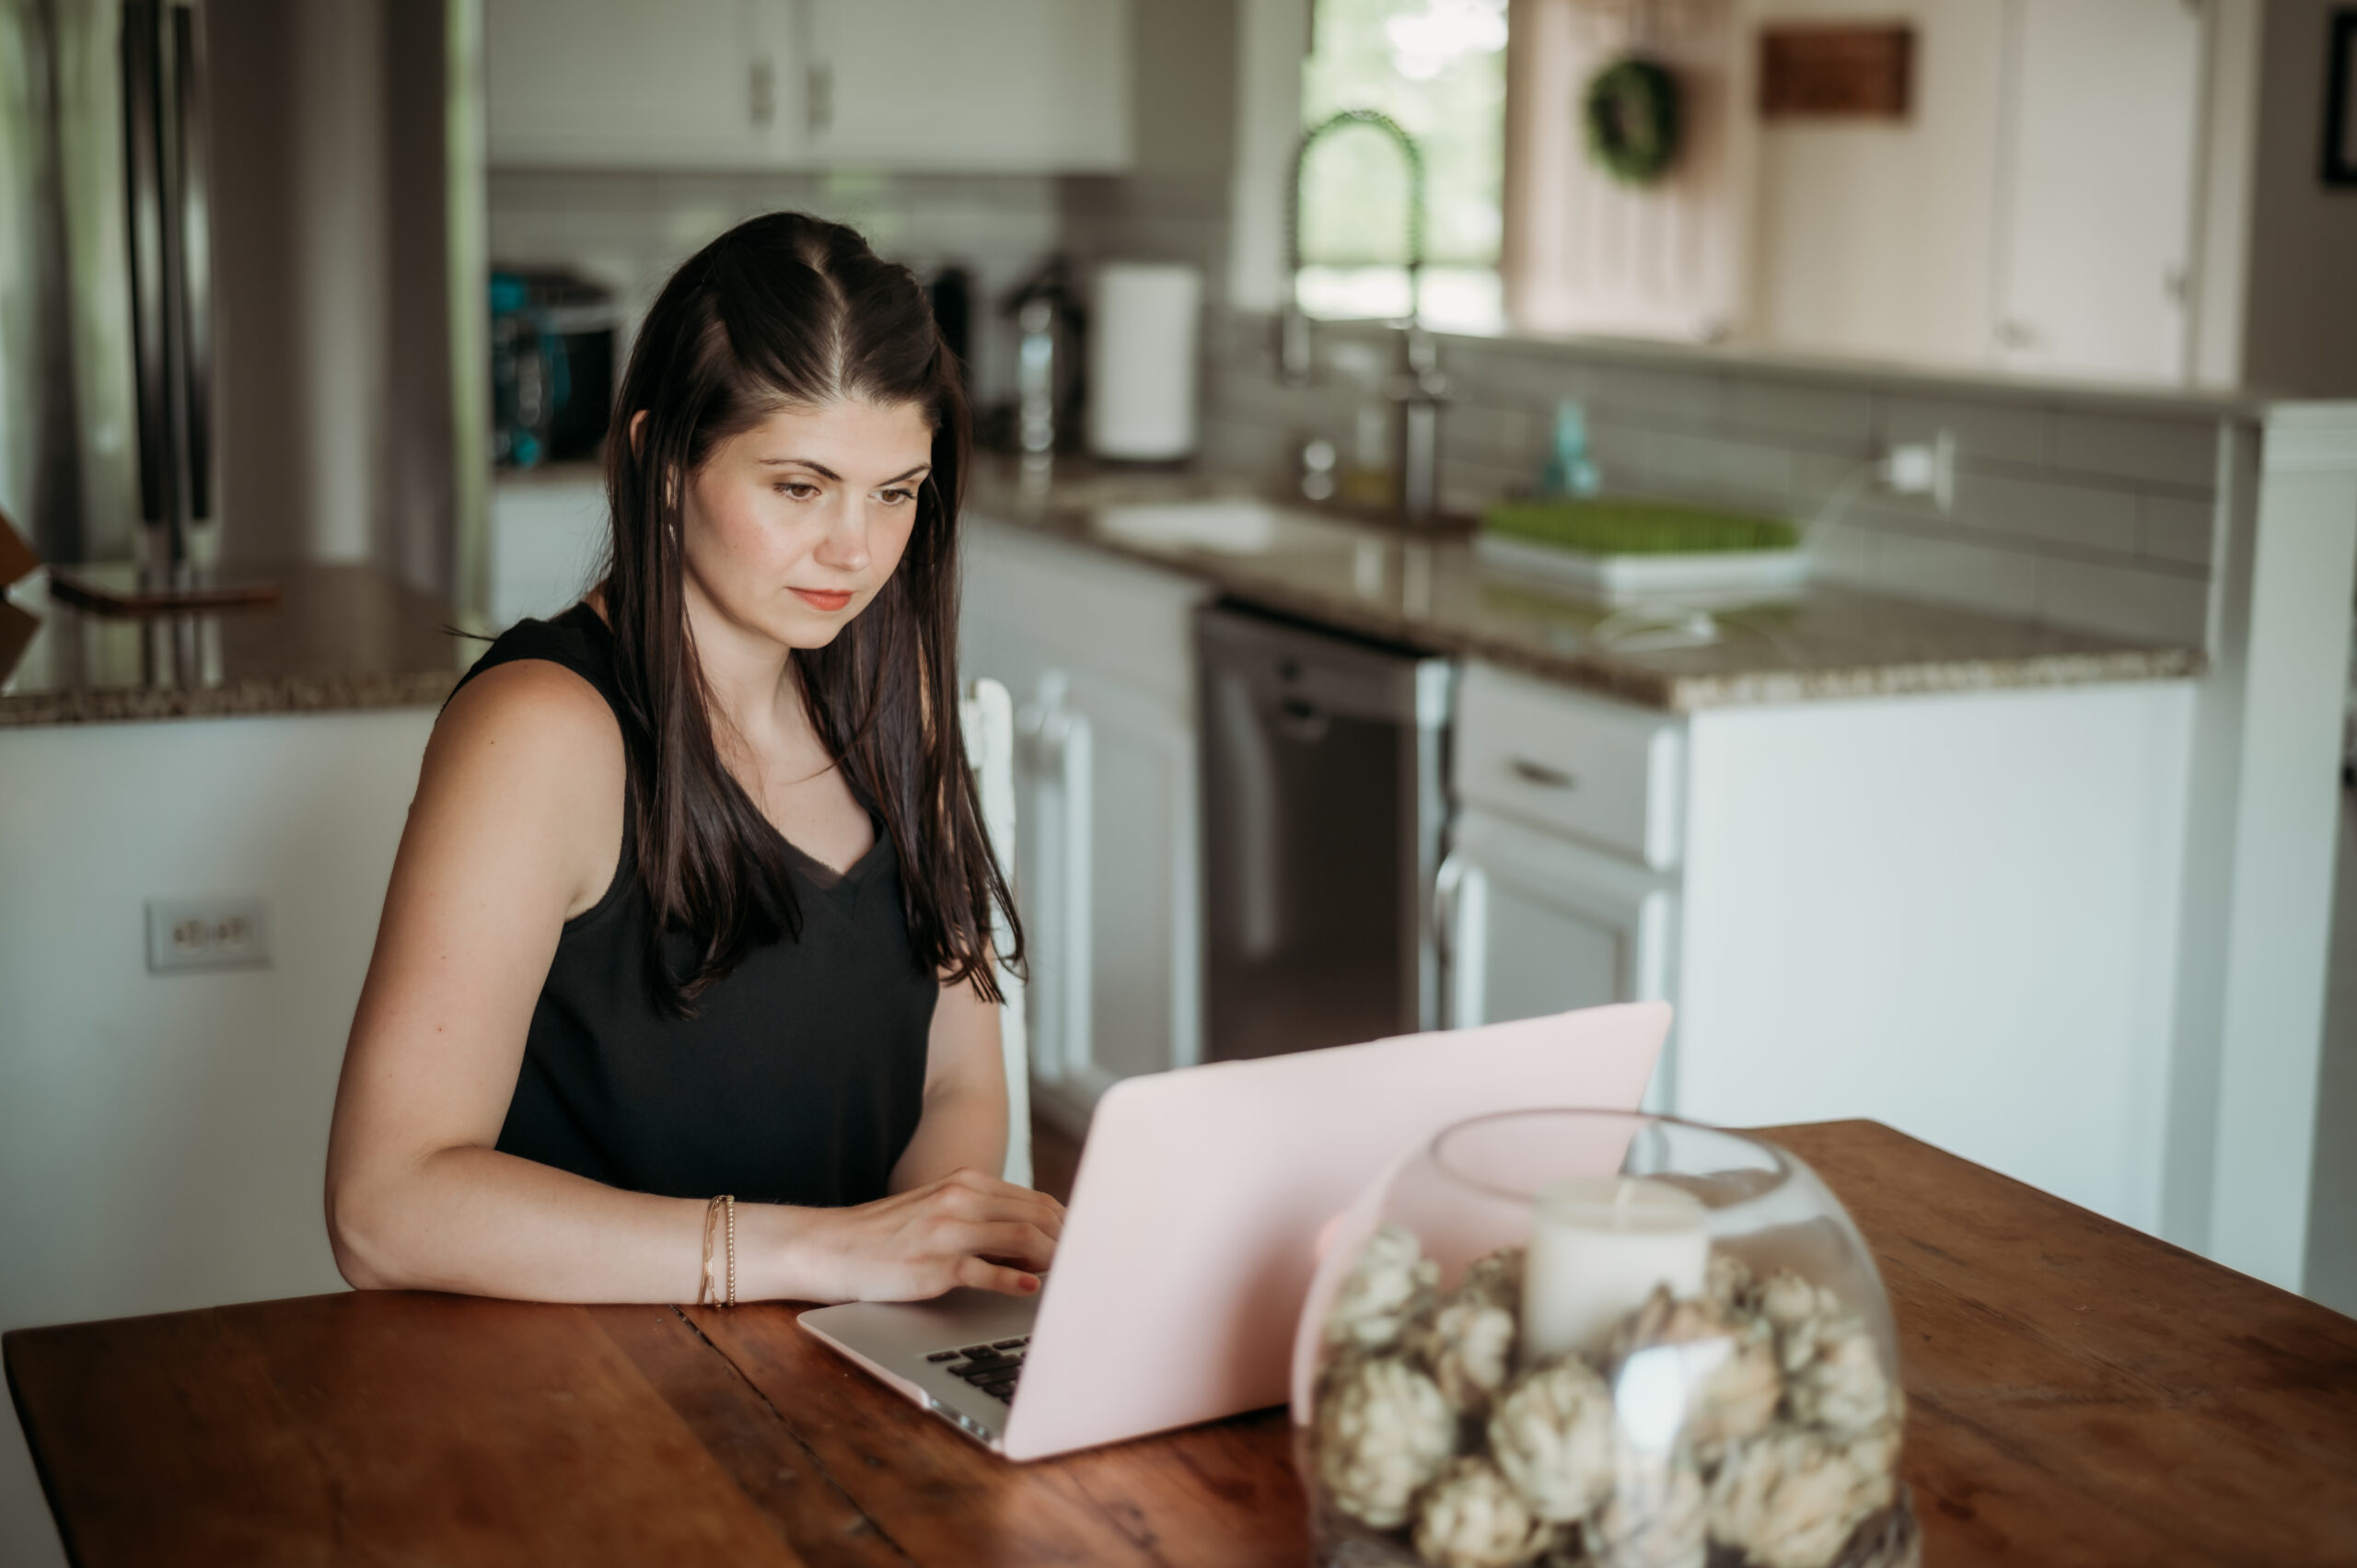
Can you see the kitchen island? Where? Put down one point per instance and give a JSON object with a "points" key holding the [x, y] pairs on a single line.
{"points": [[2077, 1393], [163, 1130]]}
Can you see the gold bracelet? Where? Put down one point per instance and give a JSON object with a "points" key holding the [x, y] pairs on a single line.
{"points": [[731, 1201], [703, 1276]]}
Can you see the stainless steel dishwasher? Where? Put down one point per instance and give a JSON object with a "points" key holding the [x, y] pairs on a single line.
{"points": [[1323, 810]]}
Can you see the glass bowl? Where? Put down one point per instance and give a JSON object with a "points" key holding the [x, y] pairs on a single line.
{"points": [[1599, 1337]]}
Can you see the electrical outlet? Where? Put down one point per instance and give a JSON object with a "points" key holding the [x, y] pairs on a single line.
{"points": [[1924, 468], [207, 933]]}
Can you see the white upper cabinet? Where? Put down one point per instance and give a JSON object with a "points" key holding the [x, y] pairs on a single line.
{"points": [[627, 83], [1013, 85], [2096, 184]]}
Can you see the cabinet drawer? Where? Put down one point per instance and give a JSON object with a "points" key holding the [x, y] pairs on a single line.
{"points": [[1555, 759]]}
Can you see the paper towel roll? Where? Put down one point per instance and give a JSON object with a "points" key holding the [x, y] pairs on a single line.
{"points": [[1142, 358]]}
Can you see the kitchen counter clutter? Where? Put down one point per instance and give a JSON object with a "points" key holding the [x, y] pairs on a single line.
{"points": [[1431, 593], [342, 638]]}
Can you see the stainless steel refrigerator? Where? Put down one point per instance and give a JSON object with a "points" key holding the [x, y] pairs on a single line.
{"points": [[232, 233], [106, 315]]}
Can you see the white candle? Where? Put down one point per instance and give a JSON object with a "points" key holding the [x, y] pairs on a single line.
{"points": [[1598, 1245]]}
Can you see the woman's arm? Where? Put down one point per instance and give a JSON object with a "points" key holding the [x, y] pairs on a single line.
{"points": [[964, 1125], [517, 825]]}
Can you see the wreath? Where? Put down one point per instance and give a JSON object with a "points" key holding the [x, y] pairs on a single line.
{"points": [[1632, 115]]}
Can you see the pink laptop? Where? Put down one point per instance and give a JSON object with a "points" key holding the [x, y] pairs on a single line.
{"points": [[1194, 1228]]}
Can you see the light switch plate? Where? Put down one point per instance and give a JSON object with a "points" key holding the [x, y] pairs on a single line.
{"points": [[207, 933]]}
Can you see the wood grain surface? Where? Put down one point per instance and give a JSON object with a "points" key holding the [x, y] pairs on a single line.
{"points": [[2079, 1394]]}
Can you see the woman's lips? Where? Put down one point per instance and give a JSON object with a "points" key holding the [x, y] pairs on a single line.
{"points": [[822, 598]]}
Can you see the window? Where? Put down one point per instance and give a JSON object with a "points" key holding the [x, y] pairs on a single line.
{"points": [[1437, 69]]}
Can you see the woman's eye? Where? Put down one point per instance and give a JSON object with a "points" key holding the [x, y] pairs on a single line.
{"points": [[895, 497], [799, 490]]}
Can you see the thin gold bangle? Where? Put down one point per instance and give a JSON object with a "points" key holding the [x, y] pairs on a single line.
{"points": [[703, 1276], [731, 1201]]}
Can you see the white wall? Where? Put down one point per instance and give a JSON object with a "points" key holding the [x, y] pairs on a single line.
{"points": [[163, 1137], [1874, 236]]}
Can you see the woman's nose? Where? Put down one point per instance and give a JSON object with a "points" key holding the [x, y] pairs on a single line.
{"points": [[843, 547]]}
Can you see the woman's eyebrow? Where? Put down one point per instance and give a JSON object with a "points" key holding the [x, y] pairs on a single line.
{"points": [[819, 469], [825, 472]]}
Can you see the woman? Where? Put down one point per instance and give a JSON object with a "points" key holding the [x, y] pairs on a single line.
{"points": [[693, 899]]}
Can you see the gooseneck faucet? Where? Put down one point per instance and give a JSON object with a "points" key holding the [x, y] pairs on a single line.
{"points": [[1417, 387]]}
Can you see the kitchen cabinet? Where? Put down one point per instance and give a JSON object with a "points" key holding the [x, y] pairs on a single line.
{"points": [[1955, 914], [1021, 86], [2105, 97], [619, 83], [1532, 924], [1017, 86], [1098, 656]]}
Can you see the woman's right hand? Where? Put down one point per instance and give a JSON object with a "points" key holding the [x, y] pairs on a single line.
{"points": [[965, 1229]]}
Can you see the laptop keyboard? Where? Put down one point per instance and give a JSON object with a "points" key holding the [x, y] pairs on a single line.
{"points": [[992, 1368]]}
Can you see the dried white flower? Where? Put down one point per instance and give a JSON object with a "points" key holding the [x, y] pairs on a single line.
{"points": [[1383, 1432], [1726, 1384], [1468, 1346], [1472, 1517], [1495, 1277], [1657, 1518], [1552, 1436], [1788, 1301], [1389, 1284], [1791, 1499], [1731, 1285], [1842, 1387], [1833, 1371]]}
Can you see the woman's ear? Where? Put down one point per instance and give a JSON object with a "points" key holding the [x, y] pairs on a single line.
{"points": [[637, 429]]}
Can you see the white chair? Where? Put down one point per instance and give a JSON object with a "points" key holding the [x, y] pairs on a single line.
{"points": [[988, 717]]}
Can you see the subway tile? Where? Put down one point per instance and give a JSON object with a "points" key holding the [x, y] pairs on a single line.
{"points": [[1824, 415], [1754, 474], [1953, 571], [2172, 528], [1671, 397], [1837, 553], [1817, 476], [2140, 603], [1482, 371], [2158, 449], [2089, 516], [1984, 432], [1511, 437]]}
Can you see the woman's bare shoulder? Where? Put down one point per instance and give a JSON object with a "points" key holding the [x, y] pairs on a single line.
{"points": [[527, 759], [534, 705]]}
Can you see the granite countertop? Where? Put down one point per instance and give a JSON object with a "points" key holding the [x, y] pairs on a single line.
{"points": [[1429, 592], [342, 637]]}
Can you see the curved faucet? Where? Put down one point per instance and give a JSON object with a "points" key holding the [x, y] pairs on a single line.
{"points": [[1418, 387], [1293, 330]]}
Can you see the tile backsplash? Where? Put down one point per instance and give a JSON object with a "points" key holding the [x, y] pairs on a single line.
{"points": [[2073, 507]]}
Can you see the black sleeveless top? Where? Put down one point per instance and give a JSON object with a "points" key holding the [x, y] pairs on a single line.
{"points": [[801, 1077]]}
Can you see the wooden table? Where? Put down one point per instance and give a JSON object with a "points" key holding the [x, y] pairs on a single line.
{"points": [[2079, 1393]]}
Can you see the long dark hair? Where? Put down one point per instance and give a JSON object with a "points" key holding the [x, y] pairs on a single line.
{"points": [[783, 311]]}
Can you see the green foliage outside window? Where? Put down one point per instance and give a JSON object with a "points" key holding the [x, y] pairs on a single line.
{"points": [[1438, 68]]}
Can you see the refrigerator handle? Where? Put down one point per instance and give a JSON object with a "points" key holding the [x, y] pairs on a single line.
{"points": [[192, 213], [142, 159]]}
